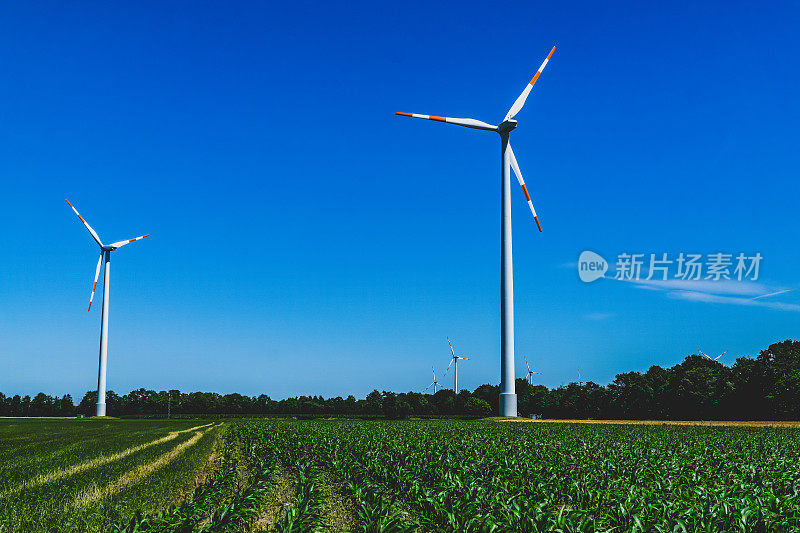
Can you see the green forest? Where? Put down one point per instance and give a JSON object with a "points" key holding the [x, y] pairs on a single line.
{"points": [[763, 387]]}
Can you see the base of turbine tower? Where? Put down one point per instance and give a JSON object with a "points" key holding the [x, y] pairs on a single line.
{"points": [[508, 404], [101, 410]]}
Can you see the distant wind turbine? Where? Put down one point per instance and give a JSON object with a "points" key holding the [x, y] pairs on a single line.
{"points": [[508, 396], [580, 383], [454, 359], [715, 358], [105, 256], [434, 384], [529, 377]]}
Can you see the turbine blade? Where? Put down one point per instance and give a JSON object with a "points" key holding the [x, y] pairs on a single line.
{"points": [[428, 387], [448, 367], [703, 354], [526, 363], [720, 355], [466, 122], [520, 101], [94, 234], [518, 172], [96, 275], [120, 244], [451, 347]]}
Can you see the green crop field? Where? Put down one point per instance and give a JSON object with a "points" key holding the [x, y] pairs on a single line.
{"points": [[380, 476]]}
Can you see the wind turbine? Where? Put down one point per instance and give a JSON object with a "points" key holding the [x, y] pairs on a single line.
{"points": [[508, 397], [105, 257], [580, 383], [715, 358], [529, 377], [454, 359], [434, 384]]}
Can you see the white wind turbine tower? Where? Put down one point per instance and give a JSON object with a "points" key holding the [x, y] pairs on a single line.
{"points": [[105, 256], [434, 384], [454, 359], [529, 377], [508, 397], [715, 358]]}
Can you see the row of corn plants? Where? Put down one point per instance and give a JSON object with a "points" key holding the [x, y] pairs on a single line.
{"points": [[308, 456], [305, 514], [377, 510]]}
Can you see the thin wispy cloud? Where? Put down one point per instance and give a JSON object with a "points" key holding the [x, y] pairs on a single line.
{"points": [[772, 294], [728, 287], [729, 292], [599, 316], [731, 300]]}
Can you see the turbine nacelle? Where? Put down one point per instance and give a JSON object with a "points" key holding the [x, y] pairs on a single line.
{"points": [[505, 127]]}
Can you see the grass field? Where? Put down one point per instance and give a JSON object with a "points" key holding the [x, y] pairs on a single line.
{"points": [[379, 476], [86, 475]]}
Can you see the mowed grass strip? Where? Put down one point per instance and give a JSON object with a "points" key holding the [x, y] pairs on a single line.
{"points": [[44, 503], [48, 506], [137, 474], [65, 472], [29, 448]]}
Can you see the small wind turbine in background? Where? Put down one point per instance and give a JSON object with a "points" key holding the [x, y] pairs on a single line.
{"points": [[580, 383], [105, 256], [529, 377], [508, 396], [434, 384], [715, 358], [454, 359]]}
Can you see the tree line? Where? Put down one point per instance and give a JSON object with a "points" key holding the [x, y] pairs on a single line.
{"points": [[765, 387]]}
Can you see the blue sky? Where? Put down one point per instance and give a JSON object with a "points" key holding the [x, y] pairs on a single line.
{"points": [[304, 240]]}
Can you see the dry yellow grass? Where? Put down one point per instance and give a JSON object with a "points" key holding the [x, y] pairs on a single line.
{"points": [[96, 493], [56, 475], [721, 423]]}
